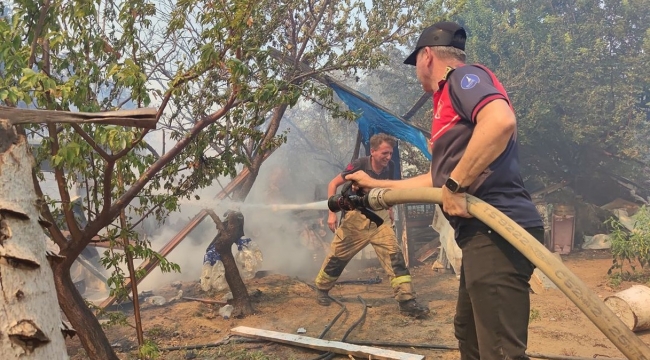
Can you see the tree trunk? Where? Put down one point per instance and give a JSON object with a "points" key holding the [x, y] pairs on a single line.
{"points": [[258, 159], [30, 324], [73, 305], [231, 230], [242, 190]]}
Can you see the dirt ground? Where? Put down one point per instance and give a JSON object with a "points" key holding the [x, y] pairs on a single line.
{"points": [[285, 304]]}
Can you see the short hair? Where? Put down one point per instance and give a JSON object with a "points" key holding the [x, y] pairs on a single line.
{"points": [[378, 139], [449, 53]]}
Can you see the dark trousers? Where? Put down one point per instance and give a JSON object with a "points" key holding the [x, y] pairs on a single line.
{"points": [[493, 308]]}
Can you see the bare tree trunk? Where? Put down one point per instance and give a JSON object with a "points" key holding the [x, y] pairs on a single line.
{"points": [[242, 190], [30, 324], [73, 305], [230, 231]]}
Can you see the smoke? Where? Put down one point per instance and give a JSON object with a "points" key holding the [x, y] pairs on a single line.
{"points": [[278, 233], [289, 176], [188, 254]]}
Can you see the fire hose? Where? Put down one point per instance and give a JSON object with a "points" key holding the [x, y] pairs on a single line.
{"points": [[585, 299]]}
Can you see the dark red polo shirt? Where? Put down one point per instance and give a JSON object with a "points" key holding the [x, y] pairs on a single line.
{"points": [[463, 93]]}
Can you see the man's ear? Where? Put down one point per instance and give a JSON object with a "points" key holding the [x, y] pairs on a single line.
{"points": [[424, 54]]}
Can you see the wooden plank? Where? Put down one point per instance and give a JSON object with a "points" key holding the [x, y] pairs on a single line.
{"points": [[98, 241], [549, 189], [427, 250], [418, 104], [324, 345], [145, 118], [205, 301]]}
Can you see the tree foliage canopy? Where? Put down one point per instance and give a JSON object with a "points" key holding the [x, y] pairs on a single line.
{"points": [[575, 72]]}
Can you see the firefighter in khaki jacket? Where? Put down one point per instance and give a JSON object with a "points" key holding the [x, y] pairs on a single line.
{"points": [[356, 231]]}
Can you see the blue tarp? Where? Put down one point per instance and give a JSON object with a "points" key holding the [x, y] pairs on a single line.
{"points": [[374, 120]]}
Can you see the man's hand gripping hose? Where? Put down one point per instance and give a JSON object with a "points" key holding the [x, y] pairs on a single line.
{"points": [[345, 202], [586, 300]]}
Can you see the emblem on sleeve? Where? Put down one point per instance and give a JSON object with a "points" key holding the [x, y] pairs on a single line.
{"points": [[469, 81]]}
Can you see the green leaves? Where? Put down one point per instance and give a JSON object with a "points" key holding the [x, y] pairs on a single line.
{"points": [[631, 247], [568, 68], [70, 153]]}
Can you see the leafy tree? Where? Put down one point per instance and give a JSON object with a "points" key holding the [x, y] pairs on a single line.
{"points": [[574, 73], [220, 98], [54, 60], [323, 36]]}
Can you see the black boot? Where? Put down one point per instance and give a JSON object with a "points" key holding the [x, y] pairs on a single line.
{"points": [[412, 308], [323, 298]]}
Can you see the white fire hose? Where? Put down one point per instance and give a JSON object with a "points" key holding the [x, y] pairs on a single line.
{"points": [[586, 300]]}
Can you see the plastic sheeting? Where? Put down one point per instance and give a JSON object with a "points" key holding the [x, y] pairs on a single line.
{"points": [[373, 120]]}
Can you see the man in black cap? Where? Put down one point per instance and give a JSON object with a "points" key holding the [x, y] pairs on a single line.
{"points": [[474, 151]]}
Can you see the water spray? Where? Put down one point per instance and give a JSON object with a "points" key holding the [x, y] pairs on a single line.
{"points": [[317, 205]]}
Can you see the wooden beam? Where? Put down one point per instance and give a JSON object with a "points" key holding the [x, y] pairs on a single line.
{"points": [[145, 118], [206, 301], [98, 241], [86, 263], [357, 147], [549, 189], [325, 345], [418, 104]]}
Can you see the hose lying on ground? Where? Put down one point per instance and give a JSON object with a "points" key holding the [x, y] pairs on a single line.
{"points": [[586, 300], [331, 355], [331, 323]]}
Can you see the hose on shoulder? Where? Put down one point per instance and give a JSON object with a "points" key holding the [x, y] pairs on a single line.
{"points": [[576, 290]]}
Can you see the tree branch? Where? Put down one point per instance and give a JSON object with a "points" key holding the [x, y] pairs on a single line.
{"points": [[310, 33], [90, 141], [99, 223], [274, 124], [63, 188], [37, 32], [152, 150], [130, 147], [216, 220], [108, 177]]}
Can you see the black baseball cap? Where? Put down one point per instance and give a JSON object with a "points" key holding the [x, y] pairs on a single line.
{"points": [[444, 33]]}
